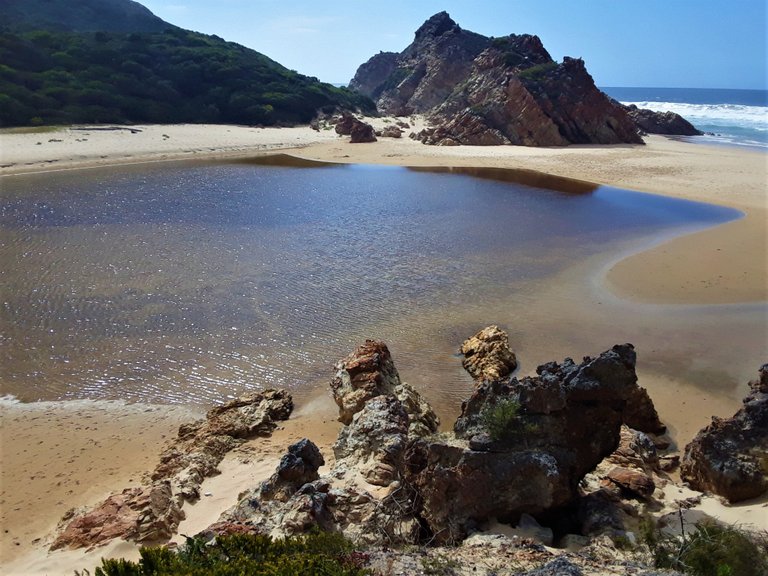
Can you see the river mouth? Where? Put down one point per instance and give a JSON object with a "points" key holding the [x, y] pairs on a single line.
{"points": [[196, 282]]}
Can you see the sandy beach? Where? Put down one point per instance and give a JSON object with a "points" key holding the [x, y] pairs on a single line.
{"points": [[56, 456]]}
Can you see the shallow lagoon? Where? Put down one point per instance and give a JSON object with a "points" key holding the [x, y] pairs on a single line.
{"points": [[195, 282]]}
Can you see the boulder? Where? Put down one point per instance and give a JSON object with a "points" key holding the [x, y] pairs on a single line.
{"points": [[668, 123], [487, 355], [729, 456], [366, 373], [391, 132], [362, 132], [359, 131], [369, 372], [375, 440]]}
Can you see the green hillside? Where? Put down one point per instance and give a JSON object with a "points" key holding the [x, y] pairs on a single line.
{"points": [[174, 76], [79, 16]]}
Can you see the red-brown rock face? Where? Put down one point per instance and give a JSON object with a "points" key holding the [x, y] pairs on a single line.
{"points": [[483, 92]]}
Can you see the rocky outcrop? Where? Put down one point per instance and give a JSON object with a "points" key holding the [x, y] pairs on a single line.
{"points": [[147, 514], [729, 456], [487, 355], [366, 373], [370, 372], [375, 440], [395, 481], [668, 123], [562, 424], [482, 91], [152, 513]]}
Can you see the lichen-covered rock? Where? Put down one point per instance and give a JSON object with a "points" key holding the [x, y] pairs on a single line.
{"points": [[359, 131], [568, 419], [375, 440], [729, 456], [487, 355]]}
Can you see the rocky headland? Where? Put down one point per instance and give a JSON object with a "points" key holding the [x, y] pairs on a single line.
{"points": [[553, 471], [491, 91]]}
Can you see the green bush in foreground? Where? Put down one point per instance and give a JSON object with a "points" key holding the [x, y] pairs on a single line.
{"points": [[240, 554], [711, 550], [502, 420]]}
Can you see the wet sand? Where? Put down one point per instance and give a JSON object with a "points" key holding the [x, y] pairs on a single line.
{"points": [[704, 277]]}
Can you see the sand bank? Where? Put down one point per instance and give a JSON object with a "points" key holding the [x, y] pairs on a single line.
{"points": [[56, 456]]}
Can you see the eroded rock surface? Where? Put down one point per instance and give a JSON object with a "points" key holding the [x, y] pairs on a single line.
{"points": [[487, 355], [668, 123], [482, 91], [567, 420], [729, 456], [152, 513], [359, 131]]}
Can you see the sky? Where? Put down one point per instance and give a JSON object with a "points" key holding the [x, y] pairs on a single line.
{"points": [[653, 43]]}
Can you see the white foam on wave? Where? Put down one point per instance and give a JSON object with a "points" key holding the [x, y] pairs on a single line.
{"points": [[753, 117]]}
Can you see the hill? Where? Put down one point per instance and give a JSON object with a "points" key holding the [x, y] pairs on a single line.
{"points": [[488, 91], [73, 74], [79, 16]]}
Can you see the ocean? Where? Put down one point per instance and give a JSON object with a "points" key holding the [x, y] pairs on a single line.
{"points": [[728, 116]]}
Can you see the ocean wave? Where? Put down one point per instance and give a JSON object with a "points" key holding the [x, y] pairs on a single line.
{"points": [[754, 117]]}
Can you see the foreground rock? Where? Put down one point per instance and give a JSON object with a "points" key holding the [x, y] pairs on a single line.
{"points": [[546, 433], [482, 91], [152, 513], [487, 355], [730, 456]]}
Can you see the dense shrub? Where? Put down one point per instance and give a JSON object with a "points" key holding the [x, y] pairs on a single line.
{"points": [[710, 549], [238, 554]]}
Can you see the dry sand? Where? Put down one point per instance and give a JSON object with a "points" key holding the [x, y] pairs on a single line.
{"points": [[55, 456]]}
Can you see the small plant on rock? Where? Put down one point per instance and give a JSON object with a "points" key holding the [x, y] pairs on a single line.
{"points": [[502, 420]]}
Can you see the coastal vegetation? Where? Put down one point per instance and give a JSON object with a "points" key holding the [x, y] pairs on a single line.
{"points": [[709, 549], [324, 553], [176, 76]]}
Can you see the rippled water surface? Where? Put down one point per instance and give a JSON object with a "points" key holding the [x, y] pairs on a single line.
{"points": [[189, 283]]}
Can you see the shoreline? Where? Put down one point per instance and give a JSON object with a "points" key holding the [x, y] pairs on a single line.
{"points": [[716, 267]]}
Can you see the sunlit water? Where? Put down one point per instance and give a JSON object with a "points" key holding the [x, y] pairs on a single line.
{"points": [[193, 283]]}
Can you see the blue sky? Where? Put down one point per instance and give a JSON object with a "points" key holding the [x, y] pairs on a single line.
{"points": [[658, 43]]}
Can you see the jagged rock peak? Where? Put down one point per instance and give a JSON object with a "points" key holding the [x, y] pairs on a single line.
{"points": [[437, 25]]}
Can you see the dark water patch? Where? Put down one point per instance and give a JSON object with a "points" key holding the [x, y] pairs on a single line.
{"points": [[532, 178], [190, 282]]}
